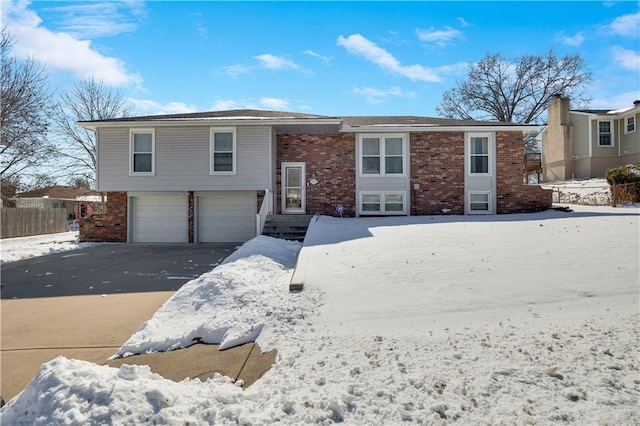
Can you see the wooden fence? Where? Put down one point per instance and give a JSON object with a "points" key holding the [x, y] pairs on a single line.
{"points": [[624, 193], [25, 222]]}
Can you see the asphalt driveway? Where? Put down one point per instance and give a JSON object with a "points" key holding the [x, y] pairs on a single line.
{"points": [[111, 269]]}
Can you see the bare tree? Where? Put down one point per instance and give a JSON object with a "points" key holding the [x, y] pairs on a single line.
{"points": [[24, 102], [516, 90], [87, 100]]}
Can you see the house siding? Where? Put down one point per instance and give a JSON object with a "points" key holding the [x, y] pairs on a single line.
{"points": [[182, 161], [331, 157]]}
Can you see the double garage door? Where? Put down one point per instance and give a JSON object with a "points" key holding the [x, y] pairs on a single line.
{"points": [[219, 217]]}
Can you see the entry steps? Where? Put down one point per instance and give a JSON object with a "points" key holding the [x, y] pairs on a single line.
{"points": [[287, 226]]}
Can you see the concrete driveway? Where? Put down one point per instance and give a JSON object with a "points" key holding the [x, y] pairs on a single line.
{"points": [[111, 269], [85, 304]]}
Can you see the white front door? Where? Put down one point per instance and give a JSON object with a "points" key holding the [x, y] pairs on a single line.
{"points": [[293, 188]]}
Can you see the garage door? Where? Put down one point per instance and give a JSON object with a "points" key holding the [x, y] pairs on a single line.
{"points": [[159, 219], [225, 217]]}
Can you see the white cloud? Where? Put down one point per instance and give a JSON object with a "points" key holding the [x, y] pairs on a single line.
{"points": [[575, 40], [617, 101], [360, 46], [463, 22], [88, 20], [626, 25], [324, 59], [149, 107], [439, 37], [274, 103], [375, 96], [236, 70], [61, 51], [274, 62], [626, 58]]}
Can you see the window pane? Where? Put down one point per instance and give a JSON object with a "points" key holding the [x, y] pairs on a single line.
{"points": [[142, 162], [482, 198], [371, 165], [605, 139], [371, 207], [604, 126], [480, 164], [223, 162], [142, 142], [480, 145], [393, 165], [479, 206], [223, 142], [393, 146], [393, 207], [370, 146], [371, 198], [393, 198], [294, 198], [293, 177]]}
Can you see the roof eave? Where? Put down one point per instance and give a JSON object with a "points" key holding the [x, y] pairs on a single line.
{"points": [[524, 128], [210, 121]]}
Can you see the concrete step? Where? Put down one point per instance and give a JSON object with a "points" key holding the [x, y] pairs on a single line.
{"points": [[288, 227]]}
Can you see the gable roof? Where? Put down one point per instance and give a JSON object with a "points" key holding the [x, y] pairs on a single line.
{"points": [[59, 193]]}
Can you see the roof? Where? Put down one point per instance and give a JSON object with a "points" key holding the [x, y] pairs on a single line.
{"points": [[59, 193], [634, 107], [296, 122]]}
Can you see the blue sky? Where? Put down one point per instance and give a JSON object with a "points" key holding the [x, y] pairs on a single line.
{"points": [[333, 58]]}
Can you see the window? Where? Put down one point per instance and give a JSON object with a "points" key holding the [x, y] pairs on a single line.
{"points": [[142, 146], [604, 133], [630, 125], [479, 202], [223, 151], [479, 154], [382, 155], [382, 203]]}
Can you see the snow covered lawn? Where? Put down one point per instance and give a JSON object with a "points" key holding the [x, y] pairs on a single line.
{"points": [[517, 319], [14, 249]]}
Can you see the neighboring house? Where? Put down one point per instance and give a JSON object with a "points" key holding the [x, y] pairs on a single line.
{"points": [[212, 177], [580, 144], [79, 202]]}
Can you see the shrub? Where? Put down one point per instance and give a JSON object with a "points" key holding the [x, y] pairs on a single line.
{"points": [[625, 175]]}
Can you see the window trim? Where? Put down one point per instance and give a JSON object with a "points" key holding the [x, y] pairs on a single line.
{"points": [[611, 133], [383, 202], [489, 202], [382, 137], [234, 152], [140, 131], [490, 153], [626, 124]]}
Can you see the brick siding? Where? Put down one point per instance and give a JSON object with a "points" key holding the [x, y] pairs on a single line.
{"points": [[108, 227], [437, 165], [514, 196], [331, 158]]}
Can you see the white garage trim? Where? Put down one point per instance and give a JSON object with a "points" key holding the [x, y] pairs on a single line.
{"points": [[158, 218], [225, 216]]}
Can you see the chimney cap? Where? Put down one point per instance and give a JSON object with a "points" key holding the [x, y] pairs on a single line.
{"points": [[636, 102], [557, 95]]}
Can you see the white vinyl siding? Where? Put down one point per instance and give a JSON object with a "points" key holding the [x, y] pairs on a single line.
{"points": [[383, 203], [182, 160]]}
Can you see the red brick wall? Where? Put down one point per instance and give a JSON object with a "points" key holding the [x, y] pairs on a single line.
{"points": [[513, 196], [437, 165], [331, 156], [108, 227]]}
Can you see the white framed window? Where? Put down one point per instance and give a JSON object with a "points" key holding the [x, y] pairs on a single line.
{"points": [[479, 155], [223, 151], [382, 155], [605, 133], [630, 124], [142, 148], [479, 202], [382, 203]]}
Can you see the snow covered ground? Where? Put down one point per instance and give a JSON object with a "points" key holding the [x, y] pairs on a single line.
{"points": [[515, 319], [13, 249], [592, 192]]}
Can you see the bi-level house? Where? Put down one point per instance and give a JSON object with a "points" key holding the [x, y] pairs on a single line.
{"points": [[214, 176], [579, 144]]}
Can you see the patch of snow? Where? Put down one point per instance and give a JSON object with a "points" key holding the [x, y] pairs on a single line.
{"points": [[14, 249], [514, 319]]}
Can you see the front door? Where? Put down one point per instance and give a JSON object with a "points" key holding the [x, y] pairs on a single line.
{"points": [[293, 188]]}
